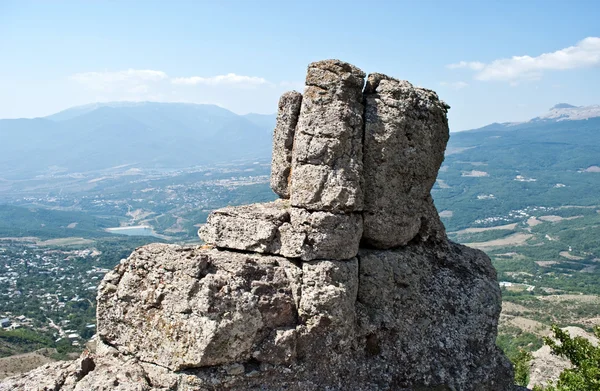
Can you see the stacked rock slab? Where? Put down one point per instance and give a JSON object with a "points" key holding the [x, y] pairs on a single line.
{"points": [[277, 228], [410, 310]]}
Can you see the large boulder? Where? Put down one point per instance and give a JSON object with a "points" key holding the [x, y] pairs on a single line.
{"points": [[182, 308], [421, 317], [406, 132]]}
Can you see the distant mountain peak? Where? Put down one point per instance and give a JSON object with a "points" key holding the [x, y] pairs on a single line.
{"points": [[77, 111], [563, 106], [567, 112]]}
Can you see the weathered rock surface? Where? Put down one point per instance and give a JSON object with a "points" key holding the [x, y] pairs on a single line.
{"points": [[321, 235], [327, 158], [189, 308], [277, 228], [283, 141], [406, 132], [90, 372], [253, 227], [421, 317]]}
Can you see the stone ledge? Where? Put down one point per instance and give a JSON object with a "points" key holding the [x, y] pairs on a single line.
{"points": [[280, 229]]}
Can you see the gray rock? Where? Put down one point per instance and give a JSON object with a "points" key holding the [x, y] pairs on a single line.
{"points": [[276, 228], [253, 227], [283, 141], [327, 306], [435, 306], [406, 131], [420, 317], [327, 156], [190, 308], [88, 373], [320, 235]]}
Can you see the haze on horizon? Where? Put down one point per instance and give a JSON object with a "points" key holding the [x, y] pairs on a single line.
{"points": [[491, 61]]}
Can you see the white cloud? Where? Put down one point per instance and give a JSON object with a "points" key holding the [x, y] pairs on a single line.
{"points": [[228, 79], [139, 89], [456, 85], [128, 79], [584, 54], [473, 65]]}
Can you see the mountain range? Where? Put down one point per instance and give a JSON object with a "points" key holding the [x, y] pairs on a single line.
{"points": [[146, 135], [504, 168], [175, 135]]}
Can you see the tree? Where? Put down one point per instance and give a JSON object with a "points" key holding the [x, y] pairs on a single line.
{"points": [[584, 357], [521, 364]]}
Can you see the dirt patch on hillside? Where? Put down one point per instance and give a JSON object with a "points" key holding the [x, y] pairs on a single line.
{"points": [[590, 322], [507, 227], [555, 219], [509, 308], [568, 255], [588, 269], [528, 325], [517, 239], [509, 255], [562, 298], [546, 263], [66, 242], [533, 221], [475, 174], [14, 365]]}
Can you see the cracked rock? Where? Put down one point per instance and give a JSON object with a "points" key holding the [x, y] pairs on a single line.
{"points": [[406, 131], [320, 235], [283, 141], [253, 227], [327, 156], [277, 228], [181, 309]]}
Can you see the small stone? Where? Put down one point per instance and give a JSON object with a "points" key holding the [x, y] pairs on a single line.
{"points": [[278, 348], [234, 369]]}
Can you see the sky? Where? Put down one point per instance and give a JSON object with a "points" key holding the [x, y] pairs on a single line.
{"points": [[491, 61]]}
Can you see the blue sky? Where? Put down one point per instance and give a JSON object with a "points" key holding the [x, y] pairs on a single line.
{"points": [[492, 61]]}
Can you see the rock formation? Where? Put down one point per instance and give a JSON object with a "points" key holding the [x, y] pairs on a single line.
{"points": [[348, 282], [406, 132]]}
